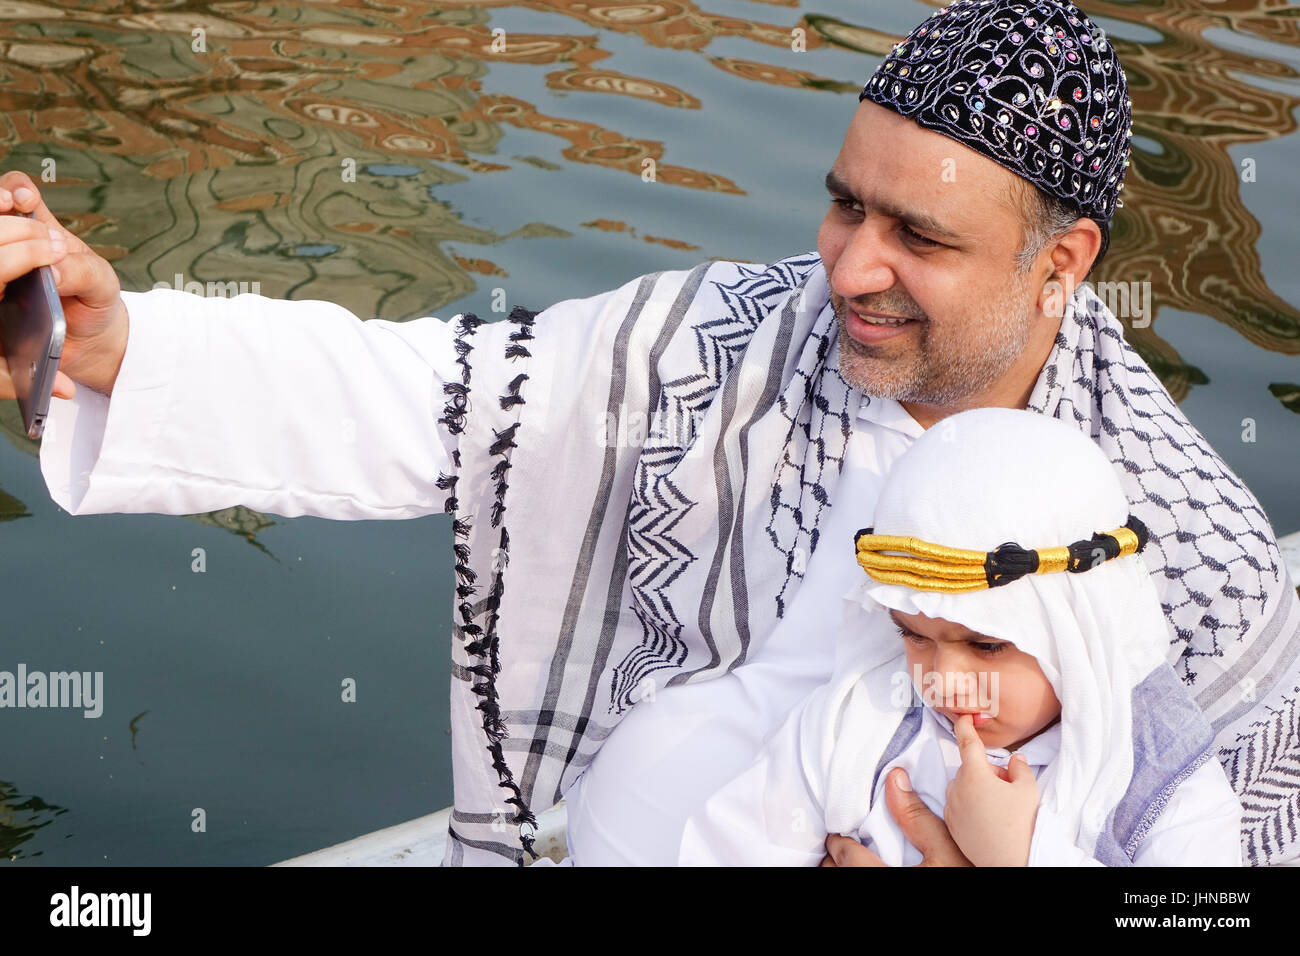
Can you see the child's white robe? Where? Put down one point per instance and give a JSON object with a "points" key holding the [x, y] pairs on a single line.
{"points": [[771, 815]]}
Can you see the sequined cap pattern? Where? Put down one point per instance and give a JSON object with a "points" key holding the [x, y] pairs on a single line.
{"points": [[1036, 88]]}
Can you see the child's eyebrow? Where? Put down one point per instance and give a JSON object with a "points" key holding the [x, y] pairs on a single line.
{"points": [[893, 616], [968, 636]]}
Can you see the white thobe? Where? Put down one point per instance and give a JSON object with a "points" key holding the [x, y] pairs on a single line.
{"points": [[300, 408], [769, 815], [668, 755], [291, 408]]}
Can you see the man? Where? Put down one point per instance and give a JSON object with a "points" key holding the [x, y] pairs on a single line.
{"points": [[632, 614]]}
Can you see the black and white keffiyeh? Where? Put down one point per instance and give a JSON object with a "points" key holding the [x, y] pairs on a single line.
{"points": [[639, 482]]}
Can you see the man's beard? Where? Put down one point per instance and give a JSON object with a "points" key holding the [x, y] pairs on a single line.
{"points": [[947, 373]]}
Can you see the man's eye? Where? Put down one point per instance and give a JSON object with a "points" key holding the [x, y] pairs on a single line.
{"points": [[917, 237], [989, 647], [912, 637], [849, 208]]}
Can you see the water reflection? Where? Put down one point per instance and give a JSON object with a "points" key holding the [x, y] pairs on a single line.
{"points": [[20, 819], [11, 508], [303, 146], [1288, 394]]}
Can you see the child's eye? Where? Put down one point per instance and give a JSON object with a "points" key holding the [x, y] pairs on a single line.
{"points": [[912, 637], [989, 647]]}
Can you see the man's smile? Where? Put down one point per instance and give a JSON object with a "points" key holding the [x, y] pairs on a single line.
{"points": [[870, 328]]}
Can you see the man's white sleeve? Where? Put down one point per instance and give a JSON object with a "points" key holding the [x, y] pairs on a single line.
{"points": [[287, 407], [1200, 826]]}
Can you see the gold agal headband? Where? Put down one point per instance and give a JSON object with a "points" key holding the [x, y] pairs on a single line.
{"points": [[935, 567]]}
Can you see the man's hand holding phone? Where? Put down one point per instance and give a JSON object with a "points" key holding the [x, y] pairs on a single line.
{"points": [[88, 288]]}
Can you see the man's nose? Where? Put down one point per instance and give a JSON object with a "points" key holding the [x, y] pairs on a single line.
{"points": [[863, 266]]}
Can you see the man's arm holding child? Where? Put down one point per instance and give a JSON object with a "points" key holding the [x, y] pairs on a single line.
{"points": [[990, 813], [921, 827]]}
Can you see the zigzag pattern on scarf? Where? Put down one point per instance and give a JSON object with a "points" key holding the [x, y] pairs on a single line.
{"points": [[655, 557], [662, 647], [1265, 773], [656, 509]]}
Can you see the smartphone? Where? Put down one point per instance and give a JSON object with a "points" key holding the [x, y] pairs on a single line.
{"points": [[32, 328]]}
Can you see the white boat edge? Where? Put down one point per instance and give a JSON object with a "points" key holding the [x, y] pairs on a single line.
{"points": [[422, 841]]}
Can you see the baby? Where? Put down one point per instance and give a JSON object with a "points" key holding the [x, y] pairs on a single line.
{"points": [[1006, 648]]}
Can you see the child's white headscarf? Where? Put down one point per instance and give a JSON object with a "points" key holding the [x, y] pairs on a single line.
{"points": [[1129, 731]]}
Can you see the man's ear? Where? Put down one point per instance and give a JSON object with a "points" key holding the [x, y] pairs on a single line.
{"points": [[1070, 258], [1074, 253]]}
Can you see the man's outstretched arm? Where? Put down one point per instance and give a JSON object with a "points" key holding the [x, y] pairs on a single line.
{"points": [[184, 404], [292, 408]]}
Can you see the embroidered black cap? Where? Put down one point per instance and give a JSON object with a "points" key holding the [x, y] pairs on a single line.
{"points": [[1035, 87]]}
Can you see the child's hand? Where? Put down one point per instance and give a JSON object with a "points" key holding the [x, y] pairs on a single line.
{"points": [[990, 811]]}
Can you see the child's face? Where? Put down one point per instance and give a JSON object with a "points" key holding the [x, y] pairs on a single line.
{"points": [[956, 670]]}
